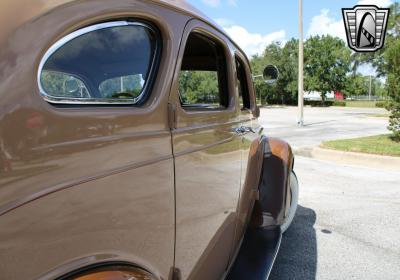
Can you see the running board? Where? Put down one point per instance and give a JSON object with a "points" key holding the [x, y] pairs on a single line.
{"points": [[257, 254]]}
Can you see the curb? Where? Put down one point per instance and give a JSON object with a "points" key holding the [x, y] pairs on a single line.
{"points": [[352, 158]]}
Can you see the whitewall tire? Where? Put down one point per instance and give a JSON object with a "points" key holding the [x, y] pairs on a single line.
{"points": [[294, 190]]}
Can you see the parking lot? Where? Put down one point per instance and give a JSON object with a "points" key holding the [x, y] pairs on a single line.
{"points": [[348, 221]]}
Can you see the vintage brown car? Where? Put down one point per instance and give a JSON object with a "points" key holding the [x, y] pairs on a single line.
{"points": [[130, 147]]}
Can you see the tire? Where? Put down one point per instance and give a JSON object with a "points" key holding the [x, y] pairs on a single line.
{"points": [[294, 190]]}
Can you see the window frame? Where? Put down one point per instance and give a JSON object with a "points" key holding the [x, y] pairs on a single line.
{"points": [[245, 86], [152, 70], [238, 53], [223, 82]]}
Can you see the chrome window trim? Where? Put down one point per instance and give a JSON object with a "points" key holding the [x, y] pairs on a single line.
{"points": [[97, 101]]}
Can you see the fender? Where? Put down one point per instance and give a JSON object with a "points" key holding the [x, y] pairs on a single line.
{"points": [[273, 203]]}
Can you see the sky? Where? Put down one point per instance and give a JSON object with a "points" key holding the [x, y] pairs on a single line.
{"points": [[253, 24]]}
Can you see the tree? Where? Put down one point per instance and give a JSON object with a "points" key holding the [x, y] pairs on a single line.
{"points": [[265, 92], [288, 67], [391, 66], [355, 85], [327, 60], [285, 59], [379, 88]]}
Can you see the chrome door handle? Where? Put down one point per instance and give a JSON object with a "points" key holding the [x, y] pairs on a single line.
{"points": [[239, 130], [247, 129], [243, 130]]}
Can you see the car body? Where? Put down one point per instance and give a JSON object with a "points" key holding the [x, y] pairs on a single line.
{"points": [[111, 161]]}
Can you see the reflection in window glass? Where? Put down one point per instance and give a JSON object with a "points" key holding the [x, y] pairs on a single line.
{"points": [[65, 84], [107, 62], [122, 87], [202, 79], [199, 87]]}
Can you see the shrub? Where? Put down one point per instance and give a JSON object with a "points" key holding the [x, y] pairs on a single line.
{"points": [[318, 103], [339, 103], [381, 104]]}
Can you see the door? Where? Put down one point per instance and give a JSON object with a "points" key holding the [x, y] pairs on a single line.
{"points": [[90, 184], [204, 119], [250, 145]]}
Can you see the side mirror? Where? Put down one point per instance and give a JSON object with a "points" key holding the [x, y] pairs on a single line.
{"points": [[270, 74]]}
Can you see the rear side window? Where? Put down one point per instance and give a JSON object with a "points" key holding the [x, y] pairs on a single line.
{"points": [[107, 63], [202, 79]]}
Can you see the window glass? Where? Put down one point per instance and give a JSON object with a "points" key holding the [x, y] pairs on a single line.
{"points": [[243, 88], [65, 84], [119, 87], [199, 87], [202, 79], [103, 63]]}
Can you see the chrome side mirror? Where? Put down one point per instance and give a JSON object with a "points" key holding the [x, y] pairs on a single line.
{"points": [[270, 74]]}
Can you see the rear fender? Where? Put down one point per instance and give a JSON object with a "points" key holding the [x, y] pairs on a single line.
{"points": [[272, 204]]}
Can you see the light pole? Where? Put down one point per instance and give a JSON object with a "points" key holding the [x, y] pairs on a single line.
{"points": [[370, 87], [300, 120]]}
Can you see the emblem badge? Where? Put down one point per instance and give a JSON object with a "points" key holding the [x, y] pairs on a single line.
{"points": [[365, 27]]}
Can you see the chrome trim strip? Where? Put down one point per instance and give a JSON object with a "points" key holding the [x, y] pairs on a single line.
{"points": [[94, 101]]}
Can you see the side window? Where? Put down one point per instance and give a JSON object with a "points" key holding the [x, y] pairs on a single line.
{"points": [[202, 79], [243, 87], [104, 63]]}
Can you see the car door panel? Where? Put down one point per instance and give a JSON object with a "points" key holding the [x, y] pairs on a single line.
{"points": [[207, 169], [87, 184], [251, 147]]}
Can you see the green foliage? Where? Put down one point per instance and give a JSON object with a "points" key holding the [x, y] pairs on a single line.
{"points": [[380, 144], [339, 103], [55, 84], [355, 85], [381, 104], [360, 103], [199, 87], [285, 58], [121, 87], [327, 61], [391, 66], [316, 103]]}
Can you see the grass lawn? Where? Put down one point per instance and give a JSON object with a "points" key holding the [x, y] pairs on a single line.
{"points": [[380, 144], [360, 103], [379, 115]]}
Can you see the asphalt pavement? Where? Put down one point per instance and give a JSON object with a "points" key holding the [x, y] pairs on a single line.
{"points": [[321, 124], [348, 222]]}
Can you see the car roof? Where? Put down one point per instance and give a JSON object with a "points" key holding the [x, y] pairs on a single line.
{"points": [[8, 8], [184, 6]]}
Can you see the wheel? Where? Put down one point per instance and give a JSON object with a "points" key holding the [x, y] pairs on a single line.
{"points": [[294, 191]]}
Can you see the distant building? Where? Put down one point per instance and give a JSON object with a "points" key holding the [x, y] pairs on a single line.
{"points": [[316, 96], [339, 95]]}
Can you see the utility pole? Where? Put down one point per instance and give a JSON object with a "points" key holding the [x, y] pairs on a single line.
{"points": [[370, 87], [300, 120]]}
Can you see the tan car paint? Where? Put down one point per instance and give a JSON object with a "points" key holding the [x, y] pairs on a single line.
{"points": [[86, 185], [207, 178], [251, 157], [84, 181]]}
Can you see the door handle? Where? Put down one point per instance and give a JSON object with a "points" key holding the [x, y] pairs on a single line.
{"points": [[239, 130], [243, 130], [247, 129]]}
